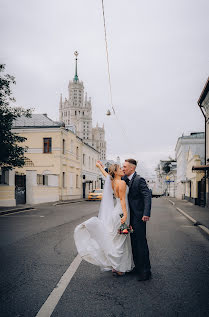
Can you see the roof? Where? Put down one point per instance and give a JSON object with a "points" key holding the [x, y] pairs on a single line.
{"points": [[194, 135], [89, 145], [36, 121], [204, 93]]}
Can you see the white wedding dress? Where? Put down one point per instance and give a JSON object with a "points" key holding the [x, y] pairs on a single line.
{"points": [[97, 239]]}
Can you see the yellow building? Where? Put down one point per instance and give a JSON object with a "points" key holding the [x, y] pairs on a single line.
{"points": [[53, 161], [7, 188]]}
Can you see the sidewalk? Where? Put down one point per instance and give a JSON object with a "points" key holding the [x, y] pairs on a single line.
{"points": [[10, 210], [200, 215]]}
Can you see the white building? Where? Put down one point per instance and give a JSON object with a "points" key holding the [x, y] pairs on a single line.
{"points": [[160, 184], [195, 143], [171, 180], [76, 113]]}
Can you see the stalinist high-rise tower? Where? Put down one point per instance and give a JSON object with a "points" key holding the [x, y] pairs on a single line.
{"points": [[76, 113]]}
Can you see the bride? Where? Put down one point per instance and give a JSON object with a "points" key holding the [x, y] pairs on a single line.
{"points": [[97, 239]]}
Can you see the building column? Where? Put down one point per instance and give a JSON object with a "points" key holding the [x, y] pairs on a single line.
{"points": [[31, 182]]}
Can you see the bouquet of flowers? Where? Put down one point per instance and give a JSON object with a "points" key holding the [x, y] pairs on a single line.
{"points": [[124, 228]]}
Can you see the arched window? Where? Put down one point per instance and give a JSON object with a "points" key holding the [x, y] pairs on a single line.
{"points": [[63, 146], [77, 153]]}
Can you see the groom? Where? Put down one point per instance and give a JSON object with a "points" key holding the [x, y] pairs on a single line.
{"points": [[139, 199]]}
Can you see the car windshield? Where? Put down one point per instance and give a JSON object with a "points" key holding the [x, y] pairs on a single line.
{"points": [[97, 191]]}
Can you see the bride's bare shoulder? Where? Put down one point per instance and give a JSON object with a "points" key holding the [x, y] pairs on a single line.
{"points": [[122, 185]]}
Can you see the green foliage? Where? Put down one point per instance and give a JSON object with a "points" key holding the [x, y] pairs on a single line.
{"points": [[11, 153]]}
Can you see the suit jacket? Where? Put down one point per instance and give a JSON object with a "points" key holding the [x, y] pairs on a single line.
{"points": [[139, 197]]}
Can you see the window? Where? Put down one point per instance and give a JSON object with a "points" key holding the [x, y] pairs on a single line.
{"points": [[84, 159], [47, 145], [77, 185], [63, 179], [4, 176], [45, 180], [77, 153], [63, 146], [89, 162], [98, 191], [42, 179], [75, 113]]}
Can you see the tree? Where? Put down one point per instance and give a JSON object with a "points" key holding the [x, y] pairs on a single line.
{"points": [[11, 153], [167, 167]]}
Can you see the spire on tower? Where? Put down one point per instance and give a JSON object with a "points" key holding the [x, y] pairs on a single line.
{"points": [[75, 79], [60, 101]]}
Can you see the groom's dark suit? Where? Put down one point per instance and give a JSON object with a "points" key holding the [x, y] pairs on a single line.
{"points": [[139, 199]]}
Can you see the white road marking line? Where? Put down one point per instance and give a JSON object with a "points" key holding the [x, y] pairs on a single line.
{"points": [[53, 299], [171, 202], [185, 214], [204, 228], [18, 212]]}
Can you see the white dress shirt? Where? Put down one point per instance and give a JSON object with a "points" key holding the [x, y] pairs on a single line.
{"points": [[130, 176]]}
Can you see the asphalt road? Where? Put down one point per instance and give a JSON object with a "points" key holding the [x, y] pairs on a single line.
{"points": [[37, 247]]}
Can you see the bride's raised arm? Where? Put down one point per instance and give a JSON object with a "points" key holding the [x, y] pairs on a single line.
{"points": [[100, 166]]}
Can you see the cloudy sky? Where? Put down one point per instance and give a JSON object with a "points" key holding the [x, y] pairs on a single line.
{"points": [[159, 63]]}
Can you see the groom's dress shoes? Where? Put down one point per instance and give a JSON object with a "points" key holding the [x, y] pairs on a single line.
{"points": [[133, 272], [145, 276]]}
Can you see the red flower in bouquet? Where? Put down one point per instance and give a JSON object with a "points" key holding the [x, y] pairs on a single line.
{"points": [[124, 228]]}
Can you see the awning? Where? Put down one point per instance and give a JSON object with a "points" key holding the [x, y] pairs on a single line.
{"points": [[200, 168]]}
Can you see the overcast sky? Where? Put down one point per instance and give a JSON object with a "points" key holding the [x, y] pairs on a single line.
{"points": [[159, 63]]}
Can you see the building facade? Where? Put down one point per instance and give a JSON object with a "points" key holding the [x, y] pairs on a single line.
{"points": [[90, 173], [195, 143], [203, 103], [193, 179], [53, 169]]}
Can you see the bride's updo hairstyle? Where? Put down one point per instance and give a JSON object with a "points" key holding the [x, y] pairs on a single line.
{"points": [[112, 170]]}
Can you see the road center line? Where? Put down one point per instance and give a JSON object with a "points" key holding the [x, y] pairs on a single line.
{"points": [[53, 299]]}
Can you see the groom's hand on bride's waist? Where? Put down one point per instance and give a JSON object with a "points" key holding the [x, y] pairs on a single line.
{"points": [[145, 218]]}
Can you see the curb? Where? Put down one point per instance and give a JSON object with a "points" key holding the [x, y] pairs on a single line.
{"points": [[13, 211], [195, 222], [69, 202]]}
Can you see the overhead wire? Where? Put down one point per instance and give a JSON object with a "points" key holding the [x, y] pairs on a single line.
{"points": [[107, 55], [108, 69]]}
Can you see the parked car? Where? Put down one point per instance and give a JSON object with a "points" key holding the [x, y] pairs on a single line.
{"points": [[96, 194]]}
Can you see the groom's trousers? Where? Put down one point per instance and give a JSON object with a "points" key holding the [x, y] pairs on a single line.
{"points": [[140, 247]]}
